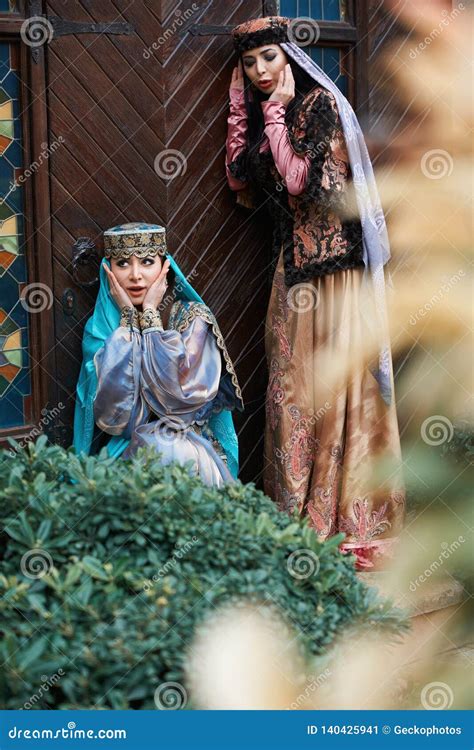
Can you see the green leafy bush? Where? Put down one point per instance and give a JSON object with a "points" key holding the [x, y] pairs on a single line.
{"points": [[108, 566]]}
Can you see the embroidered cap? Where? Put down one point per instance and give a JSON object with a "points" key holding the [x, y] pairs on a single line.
{"points": [[136, 238], [260, 31]]}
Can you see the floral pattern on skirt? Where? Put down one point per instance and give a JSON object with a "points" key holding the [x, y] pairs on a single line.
{"points": [[323, 444]]}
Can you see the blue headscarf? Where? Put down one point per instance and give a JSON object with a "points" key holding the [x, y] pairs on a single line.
{"points": [[104, 320]]}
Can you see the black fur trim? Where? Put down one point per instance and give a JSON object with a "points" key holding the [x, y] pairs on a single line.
{"points": [[238, 168], [295, 275], [318, 122], [274, 33]]}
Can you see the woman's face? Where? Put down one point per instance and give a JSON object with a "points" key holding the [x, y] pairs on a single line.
{"points": [[136, 275], [263, 65]]}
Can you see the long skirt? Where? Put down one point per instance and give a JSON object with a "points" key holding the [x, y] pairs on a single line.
{"points": [[332, 445]]}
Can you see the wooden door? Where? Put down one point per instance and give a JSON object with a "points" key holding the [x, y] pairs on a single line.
{"points": [[136, 104], [142, 115]]}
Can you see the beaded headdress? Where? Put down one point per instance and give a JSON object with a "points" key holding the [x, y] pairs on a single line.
{"points": [[260, 31], [136, 238]]}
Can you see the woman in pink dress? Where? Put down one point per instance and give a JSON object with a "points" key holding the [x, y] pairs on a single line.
{"points": [[289, 147]]}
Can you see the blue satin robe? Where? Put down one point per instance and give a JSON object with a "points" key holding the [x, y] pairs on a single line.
{"points": [[172, 375]]}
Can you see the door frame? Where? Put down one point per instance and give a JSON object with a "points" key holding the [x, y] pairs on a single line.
{"points": [[36, 212]]}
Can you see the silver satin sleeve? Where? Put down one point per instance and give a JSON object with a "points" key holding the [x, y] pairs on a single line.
{"points": [[118, 365], [171, 374], [180, 372]]}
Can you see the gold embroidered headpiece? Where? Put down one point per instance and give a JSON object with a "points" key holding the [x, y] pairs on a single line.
{"points": [[260, 31], [136, 238]]}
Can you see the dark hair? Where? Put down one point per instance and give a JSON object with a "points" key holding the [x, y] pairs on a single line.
{"points": [[170, 277], [170, 292], [255, 122]]}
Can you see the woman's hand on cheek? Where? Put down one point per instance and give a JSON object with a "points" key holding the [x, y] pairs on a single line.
{"points": [[156, 292], [285, 89], [118, 294]]}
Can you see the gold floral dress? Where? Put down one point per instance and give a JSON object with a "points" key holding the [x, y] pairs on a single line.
{"points": [[324, 439]]}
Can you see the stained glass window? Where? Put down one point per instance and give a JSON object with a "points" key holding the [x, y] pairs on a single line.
{"points": [[321, 10], [328, 58], [8, 6], [15, 384]]}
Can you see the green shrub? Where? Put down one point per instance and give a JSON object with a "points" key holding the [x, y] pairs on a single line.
{"points": [[136, 554]]}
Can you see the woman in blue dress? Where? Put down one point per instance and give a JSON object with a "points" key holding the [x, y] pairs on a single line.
{"points": [[156, 372]]}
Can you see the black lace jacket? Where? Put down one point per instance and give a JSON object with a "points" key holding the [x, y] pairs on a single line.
{"points": [[311, 228]]}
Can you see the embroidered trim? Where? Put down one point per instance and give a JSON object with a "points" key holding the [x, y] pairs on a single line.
{"points": [[205, 432], [180, 319], [142, 244], [326, 267], [150, 318], [366, 522], [129, 317], [387, 542], [275, 394], [373, 555], [303, 445]]}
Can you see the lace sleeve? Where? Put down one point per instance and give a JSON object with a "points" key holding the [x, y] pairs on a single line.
{"points": [[317, 133]]}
